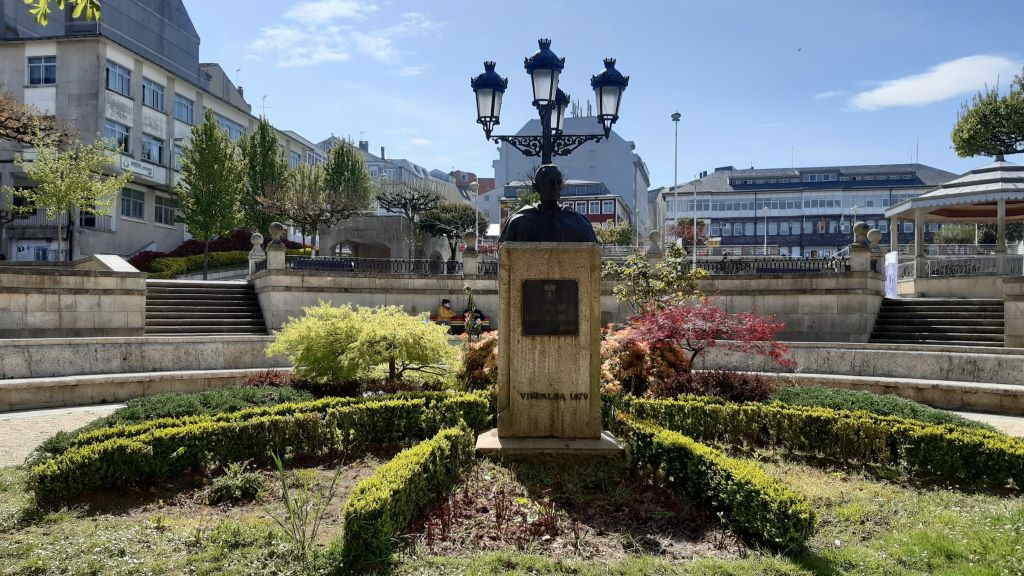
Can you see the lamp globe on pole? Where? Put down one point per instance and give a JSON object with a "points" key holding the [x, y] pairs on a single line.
{"points": [[608, 88], [544, 67], [489, 87], [561, 103]]}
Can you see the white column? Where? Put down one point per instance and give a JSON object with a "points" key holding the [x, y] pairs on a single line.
{"points": [[894, 234], [919, 249], [1001, 236]]}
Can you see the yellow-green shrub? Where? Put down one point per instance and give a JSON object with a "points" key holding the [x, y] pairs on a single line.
{"points": [[756, 505], [330, 344], [382, 506], [171, 267], [970, 458]]}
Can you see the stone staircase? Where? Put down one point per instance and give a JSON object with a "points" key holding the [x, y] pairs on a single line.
{"points": [[189, 308], [949, 322]]}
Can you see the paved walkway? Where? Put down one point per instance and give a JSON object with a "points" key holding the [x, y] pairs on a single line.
{"points": [[21, 432]]}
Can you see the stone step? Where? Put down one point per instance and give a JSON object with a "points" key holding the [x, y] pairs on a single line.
{"points": [[186, 330], [940, 315], [193, 314], [940, 309], [983, 322], [936, 342], [955, 333], [939, 301], [182, 294], [203, 303], [998, 330], [205, 322], [196, 284]]}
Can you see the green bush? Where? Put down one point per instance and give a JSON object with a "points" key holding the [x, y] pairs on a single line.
{"points": [[966, 457], [885, 405], [382, 506], [237, 484], [172, 406], [332, 344], [756, 505], [166, 448], [171, 267]]}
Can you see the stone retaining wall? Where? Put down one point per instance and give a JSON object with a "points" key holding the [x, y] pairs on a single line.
{"points": [[96, 296], [1013, 308]]}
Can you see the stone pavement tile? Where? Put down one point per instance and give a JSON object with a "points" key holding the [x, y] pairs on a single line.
{"points": [[1012, 425], [21, 432]]}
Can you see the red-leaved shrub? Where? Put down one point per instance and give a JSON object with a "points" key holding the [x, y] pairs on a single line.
{"points": [[732, 386]]}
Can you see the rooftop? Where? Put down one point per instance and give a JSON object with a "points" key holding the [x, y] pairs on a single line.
{"points": [[728, 179]]}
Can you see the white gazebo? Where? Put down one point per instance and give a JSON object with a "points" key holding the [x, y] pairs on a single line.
{"points": [[986, 195]]}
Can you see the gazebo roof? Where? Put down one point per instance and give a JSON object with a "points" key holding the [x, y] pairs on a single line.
{"points": [[971, 197]]}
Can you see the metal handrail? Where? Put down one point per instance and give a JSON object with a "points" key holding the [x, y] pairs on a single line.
{"points": [[776, 266]]}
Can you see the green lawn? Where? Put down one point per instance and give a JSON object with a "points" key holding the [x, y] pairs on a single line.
{"points": [[867, 527]]}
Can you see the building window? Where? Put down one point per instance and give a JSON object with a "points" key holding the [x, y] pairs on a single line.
{"points": [[783, 228], [176, 160], [581, 207], [152, 95], [119, 79], [716, 229], [119, 135], [164, 212], [294, 159], [608, 207], [883, 226], [133, 204], [595, 207], [727, 229], [42, 70], [908, 227], [86, 219], [234, 129], [184, 109], [748, 228], [152, 149]]}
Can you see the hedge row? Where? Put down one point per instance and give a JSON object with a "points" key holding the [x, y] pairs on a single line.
{"points": [[970, 458], [382, 506], [172, 267], [756, 505], [473, 408], [132, 455]]}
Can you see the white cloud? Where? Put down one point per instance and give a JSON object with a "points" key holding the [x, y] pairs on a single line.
{"points": [[420, 142], [944, 81], [407, 71], [323, 11], [829, 94], [317, 37]]}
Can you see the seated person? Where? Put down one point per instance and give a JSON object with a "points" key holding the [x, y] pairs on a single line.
{"points": [[445, 312]]}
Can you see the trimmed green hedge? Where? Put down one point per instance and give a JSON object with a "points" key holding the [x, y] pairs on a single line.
{"points": [[160, 449], [881, 404], [756, 505], [970, 458], [382, 506]]}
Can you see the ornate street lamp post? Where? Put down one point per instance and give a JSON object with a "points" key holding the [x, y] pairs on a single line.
{"points": [[544, 69]]}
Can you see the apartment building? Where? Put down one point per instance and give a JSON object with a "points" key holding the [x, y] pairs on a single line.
{"points": [[135, 79]]}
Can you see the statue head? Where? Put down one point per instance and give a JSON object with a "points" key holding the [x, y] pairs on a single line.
{"points": [[277, 233], [548, 183]]}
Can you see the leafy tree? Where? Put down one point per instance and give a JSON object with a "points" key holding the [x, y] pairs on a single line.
{"points": [[212, 183], [452, 222], [83, 9], [992, 124], [697, 325], [350, 190], [70, 178], [266, 170], [410, 199], [24, 125], [621, 234], [304, 200], [955, 234], [683, 230], [645, 286]]}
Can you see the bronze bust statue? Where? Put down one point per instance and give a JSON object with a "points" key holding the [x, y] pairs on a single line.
{"points": [[547, 221]]}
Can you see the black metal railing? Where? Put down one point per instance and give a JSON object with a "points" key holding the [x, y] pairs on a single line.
{"points": [[259, 266], [775, 266], [375, 266], [487, 268]]}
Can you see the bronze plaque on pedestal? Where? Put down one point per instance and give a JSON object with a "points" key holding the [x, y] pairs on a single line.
{"points": [[551, 308]]}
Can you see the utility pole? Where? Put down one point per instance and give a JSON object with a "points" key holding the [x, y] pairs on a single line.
{"points": [[675, 178]]}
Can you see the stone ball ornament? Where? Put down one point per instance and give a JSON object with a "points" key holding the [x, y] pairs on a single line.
{"points": [[256, 239], [860, 233], [874, 237], [277, 233]]}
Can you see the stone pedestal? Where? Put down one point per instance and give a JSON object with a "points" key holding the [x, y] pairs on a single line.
{"points": [[550, 338]]}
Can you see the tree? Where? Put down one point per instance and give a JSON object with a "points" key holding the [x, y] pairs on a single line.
{"points": [[304, 198], [350, 190], [24, 125], [955, 234], [266, 173], [698, 325], [991, 124], [452, 222], [646, 286], [410, 199], [83, 9], [620, 234], [70, 178], [683, 230], [212, 182]]}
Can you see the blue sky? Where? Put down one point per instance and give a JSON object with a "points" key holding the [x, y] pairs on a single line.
{"points": [[758, 83]]}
